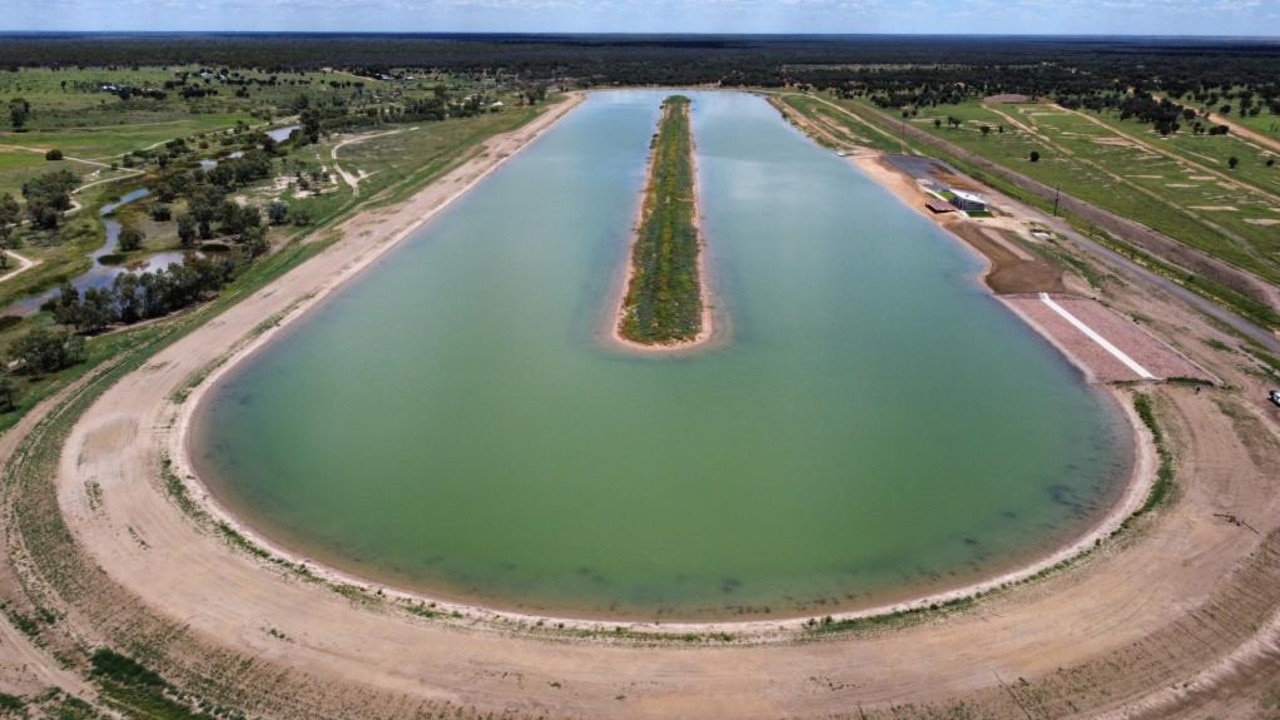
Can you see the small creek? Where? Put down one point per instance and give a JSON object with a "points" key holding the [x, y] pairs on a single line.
{"points": [[101, 276]]}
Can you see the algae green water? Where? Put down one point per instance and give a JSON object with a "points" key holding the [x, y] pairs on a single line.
{"points": [[877, 425]]}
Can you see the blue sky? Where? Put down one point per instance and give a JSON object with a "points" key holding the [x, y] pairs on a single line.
{"points": [[1121, 17]]}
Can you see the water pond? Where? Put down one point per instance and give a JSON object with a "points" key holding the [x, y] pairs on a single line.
{"points": [[875, 425]]}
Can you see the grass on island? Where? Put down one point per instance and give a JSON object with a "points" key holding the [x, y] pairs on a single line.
{"points": [[663, 304]]}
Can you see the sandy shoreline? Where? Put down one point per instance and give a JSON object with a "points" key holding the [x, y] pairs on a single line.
{"points": [[1134, 489]]}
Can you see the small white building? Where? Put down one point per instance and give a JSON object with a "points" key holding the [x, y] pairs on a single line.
{"points": [[967, 201]]}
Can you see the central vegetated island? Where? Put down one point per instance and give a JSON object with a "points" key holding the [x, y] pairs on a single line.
{"points": [[663, 304]]}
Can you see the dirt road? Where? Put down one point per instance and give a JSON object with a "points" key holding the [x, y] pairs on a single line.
{"points": [[24, 264]]}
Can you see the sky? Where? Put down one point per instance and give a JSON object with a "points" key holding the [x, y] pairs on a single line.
{"points": [[1032, 17]]}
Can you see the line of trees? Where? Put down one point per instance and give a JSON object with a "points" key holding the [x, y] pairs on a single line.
{"points": [[899, 71], [134, 297]]}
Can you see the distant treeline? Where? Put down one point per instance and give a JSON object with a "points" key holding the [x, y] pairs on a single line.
{"points": [[884, 65]]}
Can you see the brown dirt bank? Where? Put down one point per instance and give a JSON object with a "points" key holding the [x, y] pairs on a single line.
{"points": [[1156, 620], [1009, 273]]}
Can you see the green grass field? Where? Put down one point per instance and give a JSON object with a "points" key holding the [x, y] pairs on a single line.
{"points": [[105, 144], [392, 160], [840, 132], [1157, 182]]}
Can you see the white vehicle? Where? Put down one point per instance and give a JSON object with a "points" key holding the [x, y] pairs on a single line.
{"points": [[1275, 396]]}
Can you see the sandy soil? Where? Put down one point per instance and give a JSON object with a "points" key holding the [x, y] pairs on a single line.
{"points": [[1178, 610]]}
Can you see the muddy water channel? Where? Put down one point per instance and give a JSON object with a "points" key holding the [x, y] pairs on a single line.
{"points": [[875, 426], [100, 275]]}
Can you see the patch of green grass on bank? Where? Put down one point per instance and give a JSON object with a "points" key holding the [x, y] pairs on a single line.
{"points": [[140, 692], [846, 132], [397, 164], [1163, 488]]}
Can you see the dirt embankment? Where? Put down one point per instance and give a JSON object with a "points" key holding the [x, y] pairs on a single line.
{"points": [[1010, 274]]}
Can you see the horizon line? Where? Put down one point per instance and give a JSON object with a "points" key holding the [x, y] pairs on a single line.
{"points": [[626, 34]]}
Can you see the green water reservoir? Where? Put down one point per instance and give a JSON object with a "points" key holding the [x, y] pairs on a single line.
{"points": [[876, 425]]}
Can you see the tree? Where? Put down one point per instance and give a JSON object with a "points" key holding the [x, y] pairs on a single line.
{"points": [[1035, 156], [128, 304], [1225, 110], [66, 307], [937, 122], [10, 215], [53, 155], [254, 239], [97, 311], [277, 212], [1271, 162], [19, 111], [43, 351], [161, 212], [986, 130], [130, 239], [48, 196], [1232, 162], [8, 392], [310, 127], [186, 230]]}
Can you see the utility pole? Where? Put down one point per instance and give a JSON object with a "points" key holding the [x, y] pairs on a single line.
{"points": [[1057, 193]]}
